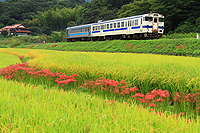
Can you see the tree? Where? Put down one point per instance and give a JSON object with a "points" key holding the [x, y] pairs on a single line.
{"points": [[137, 7]]}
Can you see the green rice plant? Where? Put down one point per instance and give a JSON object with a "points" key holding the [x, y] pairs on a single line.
{"points": [[7, 59], [28, 108]]}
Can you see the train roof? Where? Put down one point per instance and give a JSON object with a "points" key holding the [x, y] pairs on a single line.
{"points": [[114, 20]]}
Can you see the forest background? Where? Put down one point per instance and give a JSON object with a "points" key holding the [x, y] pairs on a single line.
{"points": [[44, 16]]}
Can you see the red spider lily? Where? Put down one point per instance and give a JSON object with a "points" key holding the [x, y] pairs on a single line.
{"points": [[116, 91], [135, 46], [182, 114], [153, 105], [124, 87], [188, 122], [73, 90], [38, 45], [13, 71], [160, 100], [94, 92], [130, 45], [126, 91], [21, 58], [138, 95], [54, 45], [197, 108], [63, 45], [181, 46], [13, 46], [31, 46], [122, 82], [47, 46], [134, 89], [151, 109]]}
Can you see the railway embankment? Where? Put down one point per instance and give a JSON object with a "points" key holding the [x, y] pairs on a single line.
{"points": [[165, 46]]}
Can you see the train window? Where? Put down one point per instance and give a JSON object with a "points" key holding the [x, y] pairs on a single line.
{"points": [[118, 25], [129, 23], [122, 24], [114, 25], [94, 28], [148, 18], [126, 24], [155, 20], [141, 20], [133, 22], [102, 27], [136, 22], [98, 27], [111, 25], [107, 26], [161, 19]]}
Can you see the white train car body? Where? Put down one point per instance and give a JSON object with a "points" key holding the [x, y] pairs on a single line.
{"points": [[141, 26]]}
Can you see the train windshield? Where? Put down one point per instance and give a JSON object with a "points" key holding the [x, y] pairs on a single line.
{"points": [[148, 18], [161, 19]]}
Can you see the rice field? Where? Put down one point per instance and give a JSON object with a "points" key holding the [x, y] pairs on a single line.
{"points": [[90, 108], [28, 108]]}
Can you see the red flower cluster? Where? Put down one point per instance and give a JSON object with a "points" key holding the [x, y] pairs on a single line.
{"points": [[21, 58], [47, 46], [63, 45], [38, 45], [130, 46], [54, 45], [110, 85], [30, 47], [152, 97], [21, 70], [181, 46], [188, 97], [159, 47]]}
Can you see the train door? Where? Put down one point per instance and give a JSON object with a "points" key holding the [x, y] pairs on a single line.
{"points": [[129, 27], [155, 25], [141, 27]]}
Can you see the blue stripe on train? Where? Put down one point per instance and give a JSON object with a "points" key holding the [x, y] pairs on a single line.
{"points": [[96, 32], [137, 27], [78, 34], [146, 26]]}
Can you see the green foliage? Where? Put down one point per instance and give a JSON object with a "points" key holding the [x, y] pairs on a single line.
{"points": [[1, 25], [180, 35], [137, 7], [14, 43]]}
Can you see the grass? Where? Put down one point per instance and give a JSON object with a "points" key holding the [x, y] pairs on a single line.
{"points": [[27, 108], [180, 46], [8, 59]]}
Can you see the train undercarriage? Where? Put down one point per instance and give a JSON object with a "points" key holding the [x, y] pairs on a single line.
{"points": [[118, 37]]}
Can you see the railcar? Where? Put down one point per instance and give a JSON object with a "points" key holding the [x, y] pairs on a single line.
{"points": [[149, 25]]}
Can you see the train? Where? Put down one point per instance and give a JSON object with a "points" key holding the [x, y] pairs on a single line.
{"points": [[150, 25]]}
